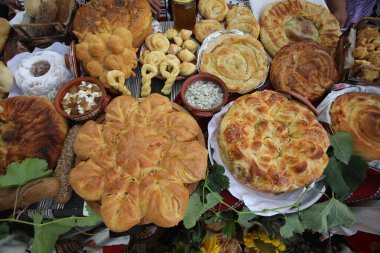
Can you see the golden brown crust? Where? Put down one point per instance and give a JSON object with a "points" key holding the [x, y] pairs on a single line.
{"points": [[305, 68], [294, 20], [239, 60], [205, 27], [272, 144], [213, 9], [359, 114], [138, 162], [134, 15], [242, 18], [31, 128]]}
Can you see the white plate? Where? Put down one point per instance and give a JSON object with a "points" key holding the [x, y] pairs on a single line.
{"points": [[259, 202]]}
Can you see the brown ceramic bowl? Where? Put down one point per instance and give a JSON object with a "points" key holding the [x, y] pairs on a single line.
{"points": [[95, 112], [207, 78]]}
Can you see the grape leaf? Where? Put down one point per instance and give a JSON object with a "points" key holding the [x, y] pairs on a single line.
{"points": [[244, 217], [196, 208], [229, 229], [354, 173], [216, 179], [4, 230], [46, 234], [22, 173], [342, 144], [292, 225], [334, 178], [325, 215]]}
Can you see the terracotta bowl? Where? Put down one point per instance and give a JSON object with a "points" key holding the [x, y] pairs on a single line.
{"points": [[208, 78], [95, 112]]}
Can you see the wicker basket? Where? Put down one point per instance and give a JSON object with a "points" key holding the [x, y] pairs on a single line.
{"points": [[343, 48], [53, 32]]}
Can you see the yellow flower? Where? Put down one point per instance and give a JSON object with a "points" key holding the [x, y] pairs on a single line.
{"points": [[210, 244], [259, 240]]}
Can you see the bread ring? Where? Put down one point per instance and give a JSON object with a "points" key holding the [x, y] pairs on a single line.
{"points": [[148, 71], [213, 9], [173, 58], [143, 55], [154, 58], [157, 42], [116, 79], [170, 71]]}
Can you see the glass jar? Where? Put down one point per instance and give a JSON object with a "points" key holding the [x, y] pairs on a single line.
{"points": [[184, 12]]}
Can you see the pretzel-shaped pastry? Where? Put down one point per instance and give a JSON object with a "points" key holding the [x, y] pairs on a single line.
{"points": [[170, 71], [148, 71], [155, 58], [116, 79]]}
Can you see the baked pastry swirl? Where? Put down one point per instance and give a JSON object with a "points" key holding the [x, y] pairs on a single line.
{"points": [[305, 68], [294, 20], [30, 128], [205, 27], [213, 9], [271, 143], [239, 60], [137, 162], [359, 114], [242, 18]]}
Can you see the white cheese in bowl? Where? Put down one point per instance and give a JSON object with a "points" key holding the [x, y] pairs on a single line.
{"points": [[204, 95]]}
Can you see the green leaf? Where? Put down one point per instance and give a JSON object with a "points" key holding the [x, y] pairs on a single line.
{"points": [[47, 234], [244, 217], [4, 230], [196, 208], [22, 173], [342, 144], [325, 215], [354, 174], [292, 225], [92, 214], [229, 229], [334, 178], [216, 179]]}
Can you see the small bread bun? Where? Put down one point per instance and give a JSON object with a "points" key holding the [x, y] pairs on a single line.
{"points": [[191, 45], [171, 33], [187, 69]]}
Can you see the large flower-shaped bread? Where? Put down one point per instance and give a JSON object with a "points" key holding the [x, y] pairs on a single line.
{"points": [[137, 162]]}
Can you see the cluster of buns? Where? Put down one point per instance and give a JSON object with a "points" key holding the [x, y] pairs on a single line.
{"points": [[239, 60], [359, 115], [367, 53], [216, 11], [304, 67], [271, 143], [293, 20], [135, 15], [168, 54], [31, 128], [137, 162], [108, 48]]}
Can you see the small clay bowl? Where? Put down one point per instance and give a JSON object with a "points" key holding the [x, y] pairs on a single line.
{"points": [[207, 78], [95, 112]]}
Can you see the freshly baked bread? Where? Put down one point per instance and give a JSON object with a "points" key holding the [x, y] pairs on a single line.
{"points": [[359, 114], [271, 143], [137, 162], [238, 11], [242, 18], [31, 128], [205, 27], [132, 14], [157, 42], [239, 60], [5, 28], [293, 20], [213, 9], [305, 68]]}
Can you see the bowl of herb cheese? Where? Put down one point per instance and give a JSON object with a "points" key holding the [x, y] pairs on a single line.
{"points": [[204, 94]]}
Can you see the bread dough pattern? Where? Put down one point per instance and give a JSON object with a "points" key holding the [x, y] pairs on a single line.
{"points": [[359, 114], [271, 143], [294, 20], [137, 162]]}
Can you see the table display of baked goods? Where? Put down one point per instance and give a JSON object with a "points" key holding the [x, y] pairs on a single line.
{"points": [[136, 158], [170, 56]]}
